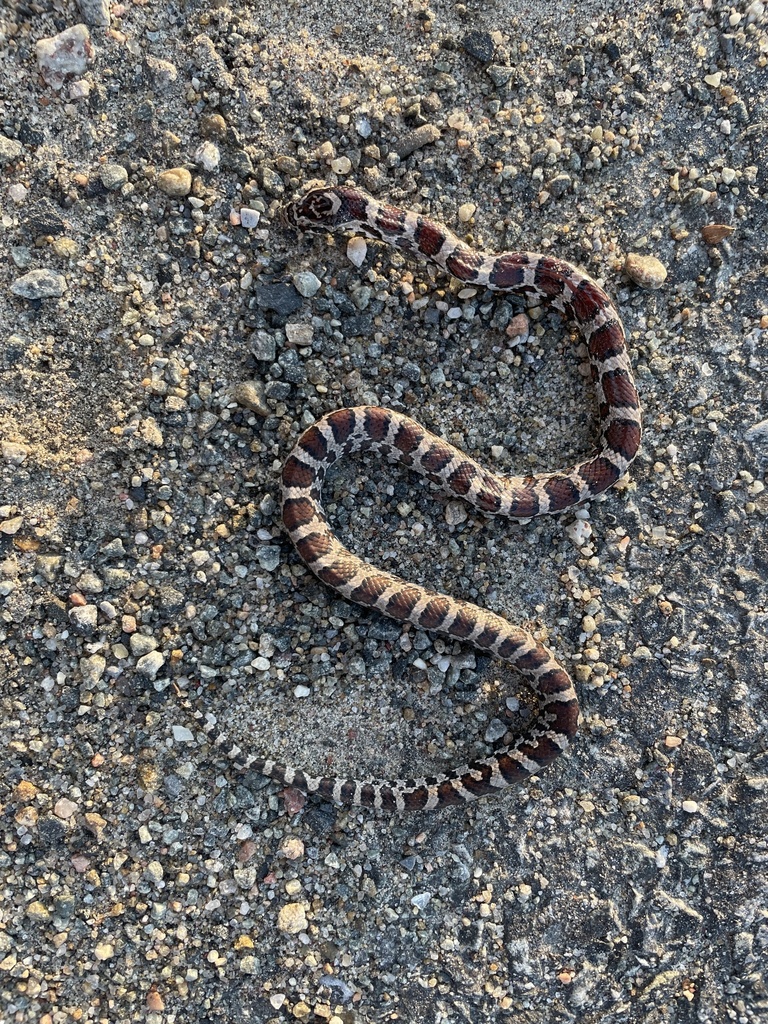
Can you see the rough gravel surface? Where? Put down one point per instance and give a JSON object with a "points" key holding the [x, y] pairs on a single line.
{"points": [[163, 341]]}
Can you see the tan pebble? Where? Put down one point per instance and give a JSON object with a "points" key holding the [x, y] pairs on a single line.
{"points": [[301, 1011], [292, 849], [672, 741], [175, 182], [25, 791], [155, 1000], [65, 247], [250, 394], [243, 942], [10, 527], [292, 918], [26, 816], [38, 911], [213, 126], [466, 212], [96, 823], [646, 271], [104, 951], [714, 233]]}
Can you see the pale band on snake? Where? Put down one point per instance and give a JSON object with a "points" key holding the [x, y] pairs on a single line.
{"points": [[536, 279]]}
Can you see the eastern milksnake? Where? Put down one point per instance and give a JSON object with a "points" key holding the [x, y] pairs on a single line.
{"points": [[371, 428]]}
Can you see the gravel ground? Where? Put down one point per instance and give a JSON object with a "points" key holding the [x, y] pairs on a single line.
{"points": [[163, 341]]}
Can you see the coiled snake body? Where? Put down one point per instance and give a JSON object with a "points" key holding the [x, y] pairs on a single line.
{"points": [[370, 428]]}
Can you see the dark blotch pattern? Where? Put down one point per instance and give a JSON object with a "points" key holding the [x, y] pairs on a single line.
{"points": [[314, 444], [296, 473], [434, 613], [619, 389], [402, 604], [437, 458], [606, 341], [377, 423], [408, 437], [624, 437], [464, 263], [587, 299], [508, 271], [390, 220], [429, 237], [297, 512], [562, 493], [599, 474], [342, 423], [370, 590], [462, 478]]}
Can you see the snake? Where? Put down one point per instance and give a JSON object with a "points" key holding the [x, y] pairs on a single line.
{"points": [[386, 433]]}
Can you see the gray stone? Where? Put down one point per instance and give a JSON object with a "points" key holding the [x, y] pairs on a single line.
{"points": [[263, 346], [150, 664], [95, 12], [39, 284], [113, 176], [306, 283], [416, 139]]}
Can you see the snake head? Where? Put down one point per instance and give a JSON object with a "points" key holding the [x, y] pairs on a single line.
{"points": [[318, 208]]}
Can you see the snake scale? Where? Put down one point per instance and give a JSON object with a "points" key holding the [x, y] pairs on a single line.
{"points": [[386, 433]]}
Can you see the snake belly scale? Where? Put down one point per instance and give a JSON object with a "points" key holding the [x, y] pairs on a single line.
{"points": [[386, 433]]}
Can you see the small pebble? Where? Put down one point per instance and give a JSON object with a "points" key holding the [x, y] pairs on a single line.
{"points": [[64, 808], [150, 664], [357, 250], [67, 53], [292, 918], [249, 218], [250, 394], [10, 150], [113, 176], [39, 284], [177, 181], [208, 157], [95, 12], [306, 283], [14, 452], [495, 730], [646, 271], [409, 142]]}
